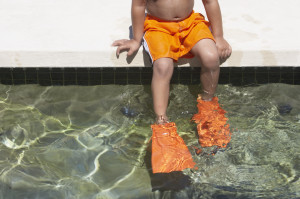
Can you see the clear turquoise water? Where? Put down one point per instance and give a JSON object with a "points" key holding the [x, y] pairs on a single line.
{"points": [[74, 142]]}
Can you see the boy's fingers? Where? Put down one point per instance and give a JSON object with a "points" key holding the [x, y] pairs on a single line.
{"points": [[228, 52], [119, 42], [221, 53], [130, 52], [118, 51], [225, 53], [121, 48]]}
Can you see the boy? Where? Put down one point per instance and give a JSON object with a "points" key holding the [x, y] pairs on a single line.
{"points": [[171, 30], [209, 49]]}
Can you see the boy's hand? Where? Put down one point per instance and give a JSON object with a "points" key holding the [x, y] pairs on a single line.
{"points": [[131, 46], [224, 49]]}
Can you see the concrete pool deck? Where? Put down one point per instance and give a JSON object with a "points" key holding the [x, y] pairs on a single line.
{"points": [[77, 33]]}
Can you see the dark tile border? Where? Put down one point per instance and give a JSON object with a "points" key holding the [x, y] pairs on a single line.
{"points": [[238, 76]]}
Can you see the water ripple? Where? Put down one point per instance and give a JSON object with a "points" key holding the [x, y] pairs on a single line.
{"points": [[73, 142]]}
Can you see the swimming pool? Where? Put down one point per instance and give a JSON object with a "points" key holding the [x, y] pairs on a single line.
{"points": [[78, 142]]}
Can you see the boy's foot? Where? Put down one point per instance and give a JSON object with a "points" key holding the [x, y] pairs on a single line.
{"points": [[211, 124], [169, 152], [162, 119]]}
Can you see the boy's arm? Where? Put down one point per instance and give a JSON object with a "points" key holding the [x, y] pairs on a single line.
{"points": [[137, 17], [214, 16]]}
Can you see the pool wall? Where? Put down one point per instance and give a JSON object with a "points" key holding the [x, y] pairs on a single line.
{"points": [[77, 33], [238, 76]]}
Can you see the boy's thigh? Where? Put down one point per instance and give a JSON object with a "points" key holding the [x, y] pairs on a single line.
{"points": [[159, 44]]}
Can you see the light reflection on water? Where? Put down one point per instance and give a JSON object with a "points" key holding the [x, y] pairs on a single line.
{"points": [[76, 142]]}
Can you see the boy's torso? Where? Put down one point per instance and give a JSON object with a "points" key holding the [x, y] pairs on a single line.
{"points": [[170, 10]]}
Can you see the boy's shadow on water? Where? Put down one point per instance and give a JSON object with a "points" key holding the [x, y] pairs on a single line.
{"points": [[173, 181]]}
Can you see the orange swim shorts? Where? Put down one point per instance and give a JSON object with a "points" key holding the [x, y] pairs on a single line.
{"points": [[174, 39]]}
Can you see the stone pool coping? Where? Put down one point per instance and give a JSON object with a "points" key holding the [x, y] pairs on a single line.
{"points": [[70, 33]]}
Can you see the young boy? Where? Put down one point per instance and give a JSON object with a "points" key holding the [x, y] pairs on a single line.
{"points": [[172, 30]]}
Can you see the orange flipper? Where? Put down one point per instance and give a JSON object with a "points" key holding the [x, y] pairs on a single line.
{"points": [[211, 124], [169, 153]]}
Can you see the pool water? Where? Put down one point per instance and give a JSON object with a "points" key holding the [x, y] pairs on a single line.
{"points": [[92, 142]]}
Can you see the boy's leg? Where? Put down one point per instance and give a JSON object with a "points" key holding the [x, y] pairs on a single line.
{"points": [[169, 152], [211, 120], [162, 73], [206, 51]]}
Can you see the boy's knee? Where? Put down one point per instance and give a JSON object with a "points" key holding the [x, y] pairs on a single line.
{"points": [[163, 68], [211, 61]]}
